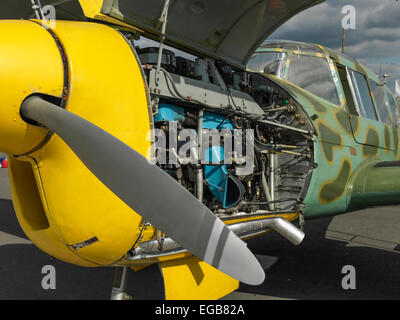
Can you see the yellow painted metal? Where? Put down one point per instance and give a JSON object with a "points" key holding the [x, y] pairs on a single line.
{"points": [[92, 10], [193, 279], [29, 62], [107, 88], [58, 201], [31, 211], [287, 216]]}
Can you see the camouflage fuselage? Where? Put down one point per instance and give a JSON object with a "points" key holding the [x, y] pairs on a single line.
{"points": [[349, 150]]}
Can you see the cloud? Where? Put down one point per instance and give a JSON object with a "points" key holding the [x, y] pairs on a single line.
{"points": [[375, 41]]}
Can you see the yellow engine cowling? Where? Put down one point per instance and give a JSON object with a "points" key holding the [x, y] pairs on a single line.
{"points": [[61, 206], [29, 63]]}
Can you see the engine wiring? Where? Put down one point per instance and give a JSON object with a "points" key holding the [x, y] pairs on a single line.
{"points": [[271, 187]]}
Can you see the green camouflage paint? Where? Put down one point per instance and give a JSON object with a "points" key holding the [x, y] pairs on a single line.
{"points": [[342, 118], [333, 190], [330, 140], [387, 137], [372, 139], [344, 143]]}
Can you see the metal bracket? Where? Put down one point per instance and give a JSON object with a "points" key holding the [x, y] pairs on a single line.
{"points": [[154, 106], [163, 20], [120, 283], [37, 8], [160, 239]]}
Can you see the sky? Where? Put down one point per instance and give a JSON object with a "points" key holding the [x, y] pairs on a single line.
{"points": [[375, 42]]}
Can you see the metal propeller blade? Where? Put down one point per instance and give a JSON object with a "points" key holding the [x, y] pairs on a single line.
{"points": [[150, 192]]}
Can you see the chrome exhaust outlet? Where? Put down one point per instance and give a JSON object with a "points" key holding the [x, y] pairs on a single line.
{"points": [[288, 230], [150, 250], [285, 228]]}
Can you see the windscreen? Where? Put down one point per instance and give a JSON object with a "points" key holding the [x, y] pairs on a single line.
{"points": [[268, 62]]}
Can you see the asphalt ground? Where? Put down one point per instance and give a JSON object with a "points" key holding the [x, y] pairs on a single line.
{"points": [[368, 240]]}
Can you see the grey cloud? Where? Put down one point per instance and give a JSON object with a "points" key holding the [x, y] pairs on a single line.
{"points": [[376, 38], [390, 69]]}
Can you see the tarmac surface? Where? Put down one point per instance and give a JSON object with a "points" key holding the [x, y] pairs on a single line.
{"points": [[368, 240]]}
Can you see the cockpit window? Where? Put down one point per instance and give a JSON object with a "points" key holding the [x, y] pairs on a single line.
{"points": [[393, 108], [292, 45], [268, 62], [379, 97], [364, 105], [314, 75]]}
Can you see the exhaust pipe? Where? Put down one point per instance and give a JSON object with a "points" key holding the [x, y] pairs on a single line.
{"points": [[150, 250], [288, 230]]}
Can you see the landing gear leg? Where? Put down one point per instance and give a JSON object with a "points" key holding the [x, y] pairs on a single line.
{"points": [[120, 282]]}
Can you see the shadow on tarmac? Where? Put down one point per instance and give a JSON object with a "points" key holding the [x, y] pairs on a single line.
{"points": [[309, 271]]}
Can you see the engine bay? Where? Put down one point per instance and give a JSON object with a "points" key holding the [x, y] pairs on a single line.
{"points": [[255, 155]]}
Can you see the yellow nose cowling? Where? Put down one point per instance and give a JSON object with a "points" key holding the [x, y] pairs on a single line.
{"points": [[29, 63], [93, 72]]}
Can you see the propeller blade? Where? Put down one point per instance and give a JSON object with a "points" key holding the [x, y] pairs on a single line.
{"points": [[149, 191]]}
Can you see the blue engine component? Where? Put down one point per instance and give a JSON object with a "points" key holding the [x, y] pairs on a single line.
{"points": [[215, 120], [168, 112], [226, 188]]}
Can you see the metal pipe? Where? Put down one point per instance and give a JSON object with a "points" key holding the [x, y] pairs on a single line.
{"points": [[199, 184], [199, 171], [343, 39], [37, 8], [288, 230], [266, 190], [163, 19], [120, 283], [280, 125], [149, 249], [272, 159]]}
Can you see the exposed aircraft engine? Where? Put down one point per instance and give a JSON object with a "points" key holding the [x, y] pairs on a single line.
{"points": [[256, 151]]}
